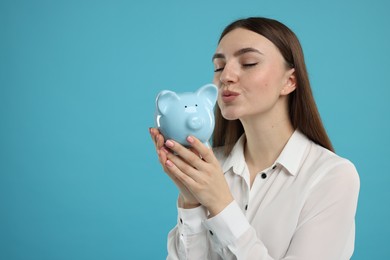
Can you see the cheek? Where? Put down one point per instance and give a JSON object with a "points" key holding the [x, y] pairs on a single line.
{"points": [[216, 80], [265, 83], [262, 92], [258, 84]]}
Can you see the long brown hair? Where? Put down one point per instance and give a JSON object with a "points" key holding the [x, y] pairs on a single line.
{"points": [[303, 111]]}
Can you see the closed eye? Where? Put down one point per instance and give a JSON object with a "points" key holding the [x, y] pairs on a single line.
{"points": [[248, 65], [218, 69]]}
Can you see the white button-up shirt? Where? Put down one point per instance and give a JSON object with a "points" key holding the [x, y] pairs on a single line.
{"points": [[302, 207]]}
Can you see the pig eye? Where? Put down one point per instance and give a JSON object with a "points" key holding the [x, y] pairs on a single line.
{"points": [[196, 105], [185, 106]]}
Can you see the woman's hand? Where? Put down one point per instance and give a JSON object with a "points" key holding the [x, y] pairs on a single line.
{"points": [[186, 199], [200, 173]]}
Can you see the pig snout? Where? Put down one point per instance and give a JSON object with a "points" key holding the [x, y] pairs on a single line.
{"points": [[195, 122]]}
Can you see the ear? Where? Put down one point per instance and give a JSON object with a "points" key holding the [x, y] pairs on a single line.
{"points": [[163, 100], [291, 83], [208, 92]]}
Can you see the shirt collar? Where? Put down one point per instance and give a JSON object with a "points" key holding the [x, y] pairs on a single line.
{"points": [[236, 159], [293, 153], [290, 158]]}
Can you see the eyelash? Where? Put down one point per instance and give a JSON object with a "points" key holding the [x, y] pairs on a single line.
{"points": [[248, 65]]}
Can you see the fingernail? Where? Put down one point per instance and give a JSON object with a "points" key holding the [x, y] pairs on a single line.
{"points": [[190, 139], [169, 163], [169, 143]]}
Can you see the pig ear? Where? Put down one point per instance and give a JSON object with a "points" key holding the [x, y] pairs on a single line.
{"points": [[209, 92], [164, 99]]}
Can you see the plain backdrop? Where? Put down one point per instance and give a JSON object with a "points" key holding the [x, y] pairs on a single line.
{"points": [[79, 178]]}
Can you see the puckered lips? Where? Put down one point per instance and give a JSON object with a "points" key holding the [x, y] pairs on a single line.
{"points": [[229, 96]]}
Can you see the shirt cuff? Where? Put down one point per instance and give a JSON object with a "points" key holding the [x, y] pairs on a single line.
{"points": [[228, 225], [190, 220]]}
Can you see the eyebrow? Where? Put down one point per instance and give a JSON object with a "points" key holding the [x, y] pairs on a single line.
{"points": [[237, 53]]}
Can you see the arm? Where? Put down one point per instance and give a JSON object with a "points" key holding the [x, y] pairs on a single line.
{"points": [[188, 239]]}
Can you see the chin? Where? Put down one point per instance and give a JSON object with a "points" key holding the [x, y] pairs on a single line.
{"points": [[229, 115]]}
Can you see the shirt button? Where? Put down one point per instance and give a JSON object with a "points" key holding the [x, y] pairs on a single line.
{"points": [[181, 221], [211, 232], [263, 175], [273, 168], [246, 207]]}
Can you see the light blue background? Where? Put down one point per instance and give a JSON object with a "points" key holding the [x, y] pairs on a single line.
{"points": [[79, 178]]}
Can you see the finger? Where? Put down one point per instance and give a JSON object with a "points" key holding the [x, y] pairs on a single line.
{"points": [[194, 151], [158, 138], [163, 160], [186, 154], [182, 177], [152, 134], [162, 156], [184, 167], [205, 152], [159, 141]]}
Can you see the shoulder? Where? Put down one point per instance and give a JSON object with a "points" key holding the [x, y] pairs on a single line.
{"points": [[326, 166]]}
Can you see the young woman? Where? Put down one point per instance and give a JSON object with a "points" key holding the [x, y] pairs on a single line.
{"points": [[271, 187]]}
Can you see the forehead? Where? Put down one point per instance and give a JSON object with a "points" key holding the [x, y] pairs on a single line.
{"points": [[242, 38]]}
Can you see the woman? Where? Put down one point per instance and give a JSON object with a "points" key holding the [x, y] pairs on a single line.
{"points": [[271, 188]]}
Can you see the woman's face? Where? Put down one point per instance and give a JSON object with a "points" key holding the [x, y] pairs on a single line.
{"points": [[251, 75]]}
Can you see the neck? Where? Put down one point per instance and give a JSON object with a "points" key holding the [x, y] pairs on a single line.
{"points": [[265, 141]]}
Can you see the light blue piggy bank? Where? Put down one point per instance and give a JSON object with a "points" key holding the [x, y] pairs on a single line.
{"points": [[179, 115]]}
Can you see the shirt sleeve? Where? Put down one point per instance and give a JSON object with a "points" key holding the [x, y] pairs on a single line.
{"points": [[188, 239], [232, 236]]}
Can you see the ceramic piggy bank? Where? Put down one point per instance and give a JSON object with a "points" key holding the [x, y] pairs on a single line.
{"points": [[179, 115]]}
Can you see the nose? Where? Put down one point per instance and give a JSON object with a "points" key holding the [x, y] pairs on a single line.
{"points": [[195, 122], [229, 75]]}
